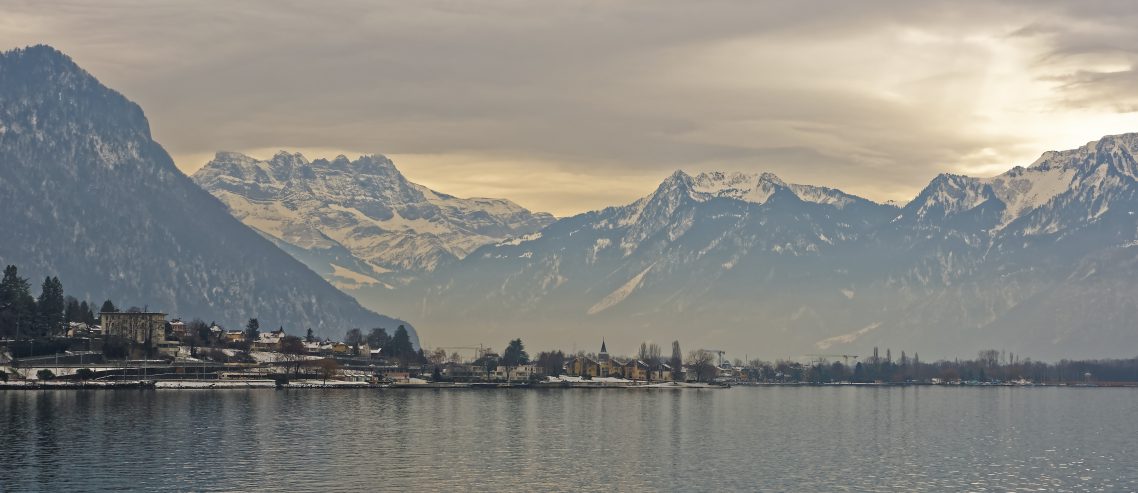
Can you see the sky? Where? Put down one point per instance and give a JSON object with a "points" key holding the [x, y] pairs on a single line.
{"points": [[571, 106]]}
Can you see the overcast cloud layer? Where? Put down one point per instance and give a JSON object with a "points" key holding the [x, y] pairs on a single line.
{"points": [[570, 106]]}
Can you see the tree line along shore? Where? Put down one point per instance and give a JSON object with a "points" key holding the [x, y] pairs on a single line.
{"points": [[56, 341]]}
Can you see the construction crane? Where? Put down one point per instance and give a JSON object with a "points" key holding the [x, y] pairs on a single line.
{"points": [[844, 356], [719, 352]]}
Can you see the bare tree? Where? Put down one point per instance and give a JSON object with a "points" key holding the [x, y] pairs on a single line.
{"points": [[701, 362], [653, 354], [438, 357], [328, 368], [292, 348]]}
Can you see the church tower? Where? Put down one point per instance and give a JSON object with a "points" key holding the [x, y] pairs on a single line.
{"points": [[604, 354]]}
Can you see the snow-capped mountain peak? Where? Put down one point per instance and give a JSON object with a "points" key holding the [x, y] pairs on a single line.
{"points": [[1088, 173], [359, 220], [759, 187]]}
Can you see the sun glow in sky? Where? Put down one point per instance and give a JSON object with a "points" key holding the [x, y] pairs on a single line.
{"points": [[573, 106]]}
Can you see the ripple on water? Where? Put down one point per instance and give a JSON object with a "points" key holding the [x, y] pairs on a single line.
{"points": [[793, 438]]}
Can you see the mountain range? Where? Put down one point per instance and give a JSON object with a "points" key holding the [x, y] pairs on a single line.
{"points": [[359, 223], [90, 197], [1040, 260]]}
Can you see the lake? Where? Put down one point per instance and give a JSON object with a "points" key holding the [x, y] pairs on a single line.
{"points": [[766, 438]]}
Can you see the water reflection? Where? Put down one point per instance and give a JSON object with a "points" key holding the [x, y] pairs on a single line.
{"points": [[865, 439]]}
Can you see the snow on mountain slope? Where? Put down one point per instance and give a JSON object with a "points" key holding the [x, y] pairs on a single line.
{"points": [[89, 196], [393, 228], [1089, 173], [1038, 260], [757, 188]]}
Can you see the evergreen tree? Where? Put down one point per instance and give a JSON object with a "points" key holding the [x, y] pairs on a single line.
{"points": [[378, 338], [400, 344], [309, 337], [108, 307], [514, 355], [85, 314], [17, 307], [252, 330], [677, 361], [49, 307], [71, 311]]}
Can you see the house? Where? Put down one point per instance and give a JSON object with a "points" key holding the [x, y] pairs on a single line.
{"points": [[140, 327], [518, 373], [662, 373], [612, 368], [178, 328], [583, 366], [364, 350], [233, 336], [80, 329], [635, 369], [335, 348], [270, 341]]}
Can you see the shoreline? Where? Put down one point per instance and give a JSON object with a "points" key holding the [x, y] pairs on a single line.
{"points": [[319, 384]]}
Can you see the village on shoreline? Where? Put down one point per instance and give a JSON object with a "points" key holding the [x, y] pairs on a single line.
{"points": [[142, 349], [55, 341]]}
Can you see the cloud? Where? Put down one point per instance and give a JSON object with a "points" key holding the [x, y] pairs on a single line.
{"points": [[568, 106]]}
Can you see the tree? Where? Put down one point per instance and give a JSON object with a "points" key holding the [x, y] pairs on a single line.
{"points": [[701, 362], [489, 361], [552, 363], [17, 306], [328, 368], [650, 355], [88, 317], [71, 311], [677, 362], [438, 357], [199, 332], [293, 349], [989, 358], [353, 338], [400, 345], [45, 374], [50, 306], [378, 338], [252, 330], [84, 374], [514, 355], [108, 307], [309, 336]]}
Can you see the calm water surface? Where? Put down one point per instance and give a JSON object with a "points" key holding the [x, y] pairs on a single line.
{"points": [[741, 439]]}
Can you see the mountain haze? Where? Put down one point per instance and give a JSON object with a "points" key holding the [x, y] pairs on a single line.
{"points": [[90, 197], [1038, 260]]}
